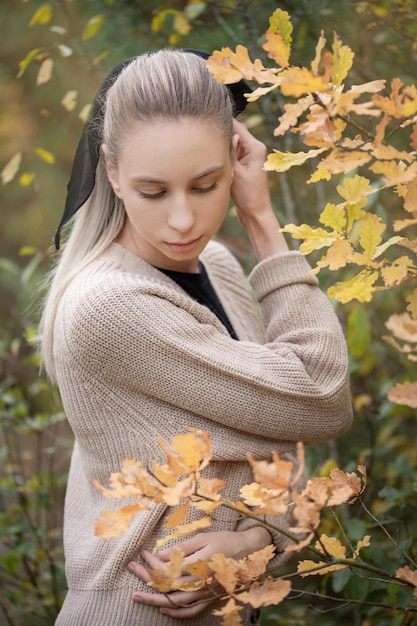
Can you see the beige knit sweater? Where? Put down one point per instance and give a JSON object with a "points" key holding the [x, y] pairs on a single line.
{"points": [[137, 360]]}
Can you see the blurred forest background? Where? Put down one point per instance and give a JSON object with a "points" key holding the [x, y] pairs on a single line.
{"points": [[54, 56]]}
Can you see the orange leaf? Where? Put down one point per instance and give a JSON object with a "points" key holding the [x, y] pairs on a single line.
{"points": [[293, 111], [230, 67], [230, 613], [164, 578], [404, 393], [410, 199], [200, 569], [225, 571], [178, 516], [210, 487], [306, 514], [339, 161], [115, 523], [275, 475], [267, 593], [410, 576], [397, 272]]}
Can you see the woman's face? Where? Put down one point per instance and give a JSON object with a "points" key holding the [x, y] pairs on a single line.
{"points": [[174, 178]]}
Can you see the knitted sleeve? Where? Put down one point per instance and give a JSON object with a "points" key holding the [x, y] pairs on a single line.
{"points": [[295, 387]]}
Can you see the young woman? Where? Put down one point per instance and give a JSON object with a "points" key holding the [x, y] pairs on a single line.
{"points": [[149, 328]]}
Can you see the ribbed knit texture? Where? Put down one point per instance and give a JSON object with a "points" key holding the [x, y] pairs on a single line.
{"points": [[138, 360]]}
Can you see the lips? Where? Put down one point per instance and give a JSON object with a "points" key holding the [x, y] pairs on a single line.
{"points": [[186, 246]]}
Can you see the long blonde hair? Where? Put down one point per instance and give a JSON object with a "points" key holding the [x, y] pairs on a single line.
{"points": [[168, 84]]}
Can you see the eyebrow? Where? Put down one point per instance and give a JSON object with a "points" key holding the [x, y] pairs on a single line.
{"points": [[149, 179]]}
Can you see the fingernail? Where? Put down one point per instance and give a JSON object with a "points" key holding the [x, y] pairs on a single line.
{"points": [[137, 597], [131, 566]]}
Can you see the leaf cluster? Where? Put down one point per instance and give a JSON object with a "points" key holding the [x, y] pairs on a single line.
{"points": [[180, 484], [349, 132]]}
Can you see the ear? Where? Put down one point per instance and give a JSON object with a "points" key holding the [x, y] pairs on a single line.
{"points": [[112, 173]]}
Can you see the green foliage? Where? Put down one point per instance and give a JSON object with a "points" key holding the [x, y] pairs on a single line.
{"points": [[32, 464]]}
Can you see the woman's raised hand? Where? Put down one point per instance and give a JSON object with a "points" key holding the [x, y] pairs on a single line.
{"points": [[251, 196]]}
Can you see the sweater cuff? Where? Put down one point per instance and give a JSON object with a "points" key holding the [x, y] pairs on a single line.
{"points": [[280, 270]]}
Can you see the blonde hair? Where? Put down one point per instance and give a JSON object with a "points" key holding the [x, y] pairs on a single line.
{"points": [[168, 84]]}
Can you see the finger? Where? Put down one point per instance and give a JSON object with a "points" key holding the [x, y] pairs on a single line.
{"points": [[139, 571], [174, 601]]}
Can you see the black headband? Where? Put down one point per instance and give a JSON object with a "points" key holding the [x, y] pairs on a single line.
{"points": [[83, 172]]}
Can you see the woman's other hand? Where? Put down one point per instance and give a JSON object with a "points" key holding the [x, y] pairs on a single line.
{"points": [[188, 604]]}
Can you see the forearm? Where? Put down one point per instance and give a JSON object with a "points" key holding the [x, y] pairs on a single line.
{"points": [[264, 232]]}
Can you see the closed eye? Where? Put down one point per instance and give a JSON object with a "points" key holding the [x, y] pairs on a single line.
{"points": [[150, 196], [206, 189]]}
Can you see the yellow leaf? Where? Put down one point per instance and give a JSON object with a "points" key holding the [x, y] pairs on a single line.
{"points": [[69, 101], [85, 113], [45, 155], [45, 71], [412, 303], [252, 494], [363, 543], [265, 594], [369, 232], [26, 61], [331, 546], [319, 49], [297, 81], [405, 394], [387, 244], [181, 25], [334, 217], [397, 272], [43, 15], [278, 37], [360, 287], [254, 95], [311, 568], [93, 26], [342, 61], [26, 179], [11, 168], [314, 238], [320, 174], [283, 161]]}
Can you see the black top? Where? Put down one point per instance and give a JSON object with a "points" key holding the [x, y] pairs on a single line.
{"points": [[199, 287]]}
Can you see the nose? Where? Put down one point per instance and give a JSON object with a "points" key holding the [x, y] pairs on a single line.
{"points": [[181, 214]]}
